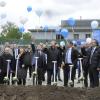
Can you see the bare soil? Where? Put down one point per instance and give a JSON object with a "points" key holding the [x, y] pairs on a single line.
{"points": [[47, 93]]}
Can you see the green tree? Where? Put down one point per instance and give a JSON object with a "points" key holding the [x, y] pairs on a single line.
{"points": [[10, 31], [27, 36]]}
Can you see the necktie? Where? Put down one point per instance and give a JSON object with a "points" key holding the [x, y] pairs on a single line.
{"points": [[66, 56], [92, 51]]}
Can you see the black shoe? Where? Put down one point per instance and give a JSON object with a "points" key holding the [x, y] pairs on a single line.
{"points": [[60, 80]]}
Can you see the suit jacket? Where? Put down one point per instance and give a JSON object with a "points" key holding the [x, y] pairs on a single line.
{"points": [[53, 54], [3, 62], [95, 59], [74, 56], [41, 62]]}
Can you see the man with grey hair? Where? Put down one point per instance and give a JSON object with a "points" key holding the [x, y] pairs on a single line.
{"points": [[52, 55], [3, 64]]}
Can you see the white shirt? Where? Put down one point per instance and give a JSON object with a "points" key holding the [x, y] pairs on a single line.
{"points": [[16, 52], [68, 55]]}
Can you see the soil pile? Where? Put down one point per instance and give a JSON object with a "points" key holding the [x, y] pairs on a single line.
{"points": [[47, 93]]}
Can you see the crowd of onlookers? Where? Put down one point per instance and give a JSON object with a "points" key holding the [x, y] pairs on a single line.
{"points": [[67, 57]]}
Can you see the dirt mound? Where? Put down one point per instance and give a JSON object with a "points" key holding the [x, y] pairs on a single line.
{"points": [[47, 93]]}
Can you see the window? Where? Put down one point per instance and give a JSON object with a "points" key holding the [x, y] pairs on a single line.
{"points": [[76, 36], [87, 35], [59, 37]]}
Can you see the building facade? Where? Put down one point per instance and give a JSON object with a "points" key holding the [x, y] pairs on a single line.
{"points": [[80, 31]]}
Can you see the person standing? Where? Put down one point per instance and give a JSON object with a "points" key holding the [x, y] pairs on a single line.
{"points": [[3, 64], [71, 57], [52, 55], [94, 64]]}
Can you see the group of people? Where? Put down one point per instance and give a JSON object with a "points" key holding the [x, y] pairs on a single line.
{"points": [[65, 56]]}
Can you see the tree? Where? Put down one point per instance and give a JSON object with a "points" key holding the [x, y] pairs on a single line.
{"points": [[27, 36], [10, 31]]}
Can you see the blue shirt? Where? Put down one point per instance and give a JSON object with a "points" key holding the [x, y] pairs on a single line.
{"points": [[68, 56]]}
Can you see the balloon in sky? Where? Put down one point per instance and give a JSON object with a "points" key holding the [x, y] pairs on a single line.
{"points": [[2, 4], [46, 28], [71, 22], [3, 15], [96, 35], [39, 12], [23, 20], [29, 8], [94, 24], [64, 32], [21, 29]]}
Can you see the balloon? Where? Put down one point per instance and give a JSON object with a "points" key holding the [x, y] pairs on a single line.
{"points": [[2, 4], [39, 12], [3, 15], [78, 42], [64, 33], [88, 40], [46, 28], [82, 42], [94, 24], [74, 42], [29, 8], [96, 35], [21, 29], [62, 43], [71, 21], [23, 20]]}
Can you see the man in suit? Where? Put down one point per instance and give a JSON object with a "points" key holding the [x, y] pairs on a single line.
{"points": [[71, 55], [3, 64], [94, 64], [85, 51], [41, 63], [52, 55]]}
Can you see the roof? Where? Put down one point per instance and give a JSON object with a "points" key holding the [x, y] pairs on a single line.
{"points": [[79, 23]]}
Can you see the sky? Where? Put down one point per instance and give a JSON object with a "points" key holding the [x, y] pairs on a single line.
{"points": [[53, 11]]}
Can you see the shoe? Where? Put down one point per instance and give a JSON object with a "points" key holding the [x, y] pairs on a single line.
{"points": [[60, 80]]}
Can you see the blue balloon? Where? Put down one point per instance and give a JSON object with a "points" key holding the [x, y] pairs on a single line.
{"points": [[71, 21], [78, 42], [46, 28], [39, 12], [29, 8], [96, 35], [64, 32], [21, 29]]}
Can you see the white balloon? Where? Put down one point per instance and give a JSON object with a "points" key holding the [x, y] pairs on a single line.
{"points": [[3, 15], [74, 42], [23, 20], [39, 12], [62, 43], [94, 24], [2, 3], [88, 40]]}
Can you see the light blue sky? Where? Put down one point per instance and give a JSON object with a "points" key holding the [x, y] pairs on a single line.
{"points": [[53, 11]]}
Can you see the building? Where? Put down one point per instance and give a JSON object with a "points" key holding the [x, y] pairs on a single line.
{"points": [[80, 31]]}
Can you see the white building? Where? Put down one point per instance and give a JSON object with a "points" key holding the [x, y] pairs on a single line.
{"points": [[81, 30]]}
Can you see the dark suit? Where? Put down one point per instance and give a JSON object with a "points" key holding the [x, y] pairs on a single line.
{"points": [[85, 64], [3, 65], [74, 56], [52, 55], [94, 63], [41, 63]]}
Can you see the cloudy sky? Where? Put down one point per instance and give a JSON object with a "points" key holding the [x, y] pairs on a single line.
{"points": [[53, 11]]}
